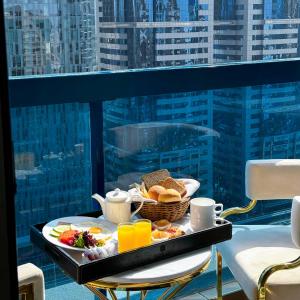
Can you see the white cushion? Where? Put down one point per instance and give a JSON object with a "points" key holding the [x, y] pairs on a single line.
{"points": [[30, 274], [255, 247], [272, 179]]}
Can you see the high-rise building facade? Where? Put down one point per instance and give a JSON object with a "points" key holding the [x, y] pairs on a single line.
{"points": [[153, 33], [250, 30], [50, 36]]}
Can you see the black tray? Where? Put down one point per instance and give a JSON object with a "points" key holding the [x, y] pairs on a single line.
{"points": [[85, 272]]}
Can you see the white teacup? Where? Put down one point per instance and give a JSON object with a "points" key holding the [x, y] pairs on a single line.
{"points": [[205, 213]]}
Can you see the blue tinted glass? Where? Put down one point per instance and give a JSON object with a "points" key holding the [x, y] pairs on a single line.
{"points": [[205, 135], [53, 172]]}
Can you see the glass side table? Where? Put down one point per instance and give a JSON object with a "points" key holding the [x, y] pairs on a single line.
{"points": [[173, 274]]}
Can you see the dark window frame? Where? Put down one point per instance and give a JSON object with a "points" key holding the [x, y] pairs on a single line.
{"points": [[8, 266]]}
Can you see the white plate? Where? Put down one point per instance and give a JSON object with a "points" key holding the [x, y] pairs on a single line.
{"points": [[82, 223], [191, 186]]}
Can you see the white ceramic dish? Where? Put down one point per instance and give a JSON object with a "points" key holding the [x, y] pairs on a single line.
{"points": [[81, 223], [191, 186], [162, 227]]}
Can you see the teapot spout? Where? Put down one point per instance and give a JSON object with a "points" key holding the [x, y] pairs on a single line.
{"points": [[100, 200]]}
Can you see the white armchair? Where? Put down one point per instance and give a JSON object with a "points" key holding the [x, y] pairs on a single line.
{"points": [[31, 282], [256, 252]]}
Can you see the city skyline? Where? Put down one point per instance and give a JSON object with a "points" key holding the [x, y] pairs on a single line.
{"points": [[45, 37]]}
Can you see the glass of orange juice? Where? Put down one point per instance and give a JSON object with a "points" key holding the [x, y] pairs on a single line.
{"points": [[126, 237], [143, 231]]}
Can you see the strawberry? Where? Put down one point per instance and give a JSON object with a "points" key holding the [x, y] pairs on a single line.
{"points": [[68, 237]]}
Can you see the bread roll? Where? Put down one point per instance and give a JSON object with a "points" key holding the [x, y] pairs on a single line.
{"points": [[171, 183], [155, 191], [155, 177], [169, 195]]}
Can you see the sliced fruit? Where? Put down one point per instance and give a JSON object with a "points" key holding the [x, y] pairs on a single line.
{"points": [[62, 228], [68, 237], [54, 234]]}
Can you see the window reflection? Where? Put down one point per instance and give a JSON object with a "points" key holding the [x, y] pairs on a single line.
{"points": [[206, 135], [53, 172]]}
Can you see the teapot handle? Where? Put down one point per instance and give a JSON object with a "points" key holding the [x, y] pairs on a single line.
{"points": [[137, 210], [136, 199]]}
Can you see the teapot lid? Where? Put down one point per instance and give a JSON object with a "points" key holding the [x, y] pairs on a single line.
{"points": [[117, 196]]}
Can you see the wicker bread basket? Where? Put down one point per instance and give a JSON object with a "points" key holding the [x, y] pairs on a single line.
{"points": [[169, 211]]}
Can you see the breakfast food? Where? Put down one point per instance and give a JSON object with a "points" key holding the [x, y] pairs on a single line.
{"points": [[158, 235], [169, 195], [169, 232], [144, 192], [174, 232], [78, 239], [154, 178], [95, 230], [159, 185], [155, 191], [162, 224], [171, 183], [73, 236]]}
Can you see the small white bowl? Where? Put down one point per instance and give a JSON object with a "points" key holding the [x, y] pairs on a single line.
{"points": [[162, 228], [155, 240]]}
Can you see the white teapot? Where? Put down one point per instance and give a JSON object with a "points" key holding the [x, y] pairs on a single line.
{"points": [[116, 206]]}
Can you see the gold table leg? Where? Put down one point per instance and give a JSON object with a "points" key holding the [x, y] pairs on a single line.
{"points": [[143, 294], [112, 294], [219, 276], [166, 295], [177, 290], [96, 292], [173, 287], [166, 291]]}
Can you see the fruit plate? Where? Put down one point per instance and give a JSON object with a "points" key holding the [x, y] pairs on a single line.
{"points": [[191, 186], [81, 224]]}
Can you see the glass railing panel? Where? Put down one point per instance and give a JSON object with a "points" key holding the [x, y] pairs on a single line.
{"points": [[207, 135], [52, 147]]}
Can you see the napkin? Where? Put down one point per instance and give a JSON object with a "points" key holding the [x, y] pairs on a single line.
{"points": [[109, 249]]}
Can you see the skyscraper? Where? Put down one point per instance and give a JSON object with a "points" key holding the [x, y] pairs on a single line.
{"points": [[50, 36], [153, 33], [256, 30]]}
